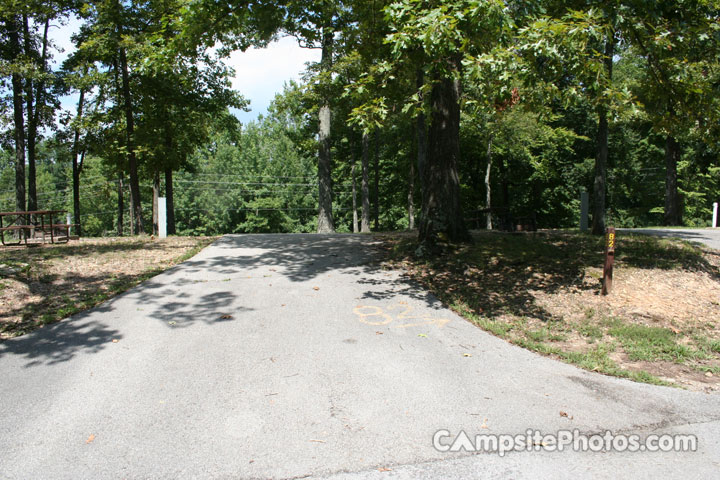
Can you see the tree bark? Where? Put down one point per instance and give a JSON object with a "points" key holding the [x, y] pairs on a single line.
{"points": [[598, 225], [411, 197], [132, 159], [31, 124], [13, 24], [75, 164], [442, 211], [599, 185], [365, 187], [488, 192], [121, 207], [354, 193], [376, 185], [156, 195], [421, 133], [325, 216], [673, 213], [170, 202]]}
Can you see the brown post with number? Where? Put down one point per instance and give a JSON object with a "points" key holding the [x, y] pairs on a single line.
{"points": [[609, 260]]}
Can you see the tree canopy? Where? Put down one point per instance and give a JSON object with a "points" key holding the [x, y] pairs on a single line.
{"points": [[444, 115]]}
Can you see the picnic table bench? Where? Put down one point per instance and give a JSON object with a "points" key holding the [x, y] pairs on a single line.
{"points": [[24, 226]]}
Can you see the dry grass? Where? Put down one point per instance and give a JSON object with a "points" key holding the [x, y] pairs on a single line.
{"points": [[661, 323], [46, 283]]}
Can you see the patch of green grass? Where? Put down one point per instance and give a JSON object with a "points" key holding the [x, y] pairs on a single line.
{"points": [[645, 377], [538, 335], [545, 334], [495, 327], [590, 331], [652, 343], [708, 346], [596, 359], [715, 370], [539, 347]]}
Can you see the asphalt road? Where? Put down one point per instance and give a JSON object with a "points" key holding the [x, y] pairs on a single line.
{"points": [[706, 236], [293, 356]]}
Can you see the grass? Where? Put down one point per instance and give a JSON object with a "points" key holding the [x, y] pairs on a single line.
{"points": [[541, 291], [652, 343], [46, 284]]}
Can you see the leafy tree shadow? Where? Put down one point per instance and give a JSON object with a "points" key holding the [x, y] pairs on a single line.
{"points": [[60, 342], [299, 257], [499, 272]]}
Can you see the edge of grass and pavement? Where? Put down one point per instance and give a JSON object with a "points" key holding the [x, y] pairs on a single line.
{"points": [[541, 291], [46, 283]]}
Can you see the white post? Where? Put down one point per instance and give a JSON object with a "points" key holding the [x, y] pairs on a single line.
{"points": [[162, 217], [584, 210], [69, 221], [715, 212]]}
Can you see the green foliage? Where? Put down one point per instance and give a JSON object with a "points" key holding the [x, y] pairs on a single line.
{"points": [[257, 180], [533, 77]]}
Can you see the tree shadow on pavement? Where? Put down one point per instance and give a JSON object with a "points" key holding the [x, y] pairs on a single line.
{"points": [[301, 256], [61, 342]]}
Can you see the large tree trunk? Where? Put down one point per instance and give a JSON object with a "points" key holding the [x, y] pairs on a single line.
{"points": [[170, 202], [121, 207], [421, 132], [76, 165], [599, 185], [442, 211], [13, 24], [325, 216], [132, 159], [365, 187], [31, 123], [376, 186], [598, 225], [156, 196], [673, 213], [354, 193], [488, 192], [411, 196]]}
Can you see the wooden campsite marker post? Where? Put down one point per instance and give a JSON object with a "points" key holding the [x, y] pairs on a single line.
{"points": [[609, 260]]}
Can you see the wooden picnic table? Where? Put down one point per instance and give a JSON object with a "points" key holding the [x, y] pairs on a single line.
{"points": [[28, 223]]}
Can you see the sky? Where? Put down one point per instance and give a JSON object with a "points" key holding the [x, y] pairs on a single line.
{"points": [[260, 73]]}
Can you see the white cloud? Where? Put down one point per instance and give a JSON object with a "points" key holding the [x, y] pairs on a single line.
{"points": [[60, 35], [261, 72]]}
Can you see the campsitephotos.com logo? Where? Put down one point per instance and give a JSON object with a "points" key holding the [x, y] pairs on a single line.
{"points": [[536, 441]]}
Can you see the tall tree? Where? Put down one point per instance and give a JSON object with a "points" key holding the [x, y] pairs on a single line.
{"points": [[445, 35], [14, 50], [680, 47], [316, 25]]}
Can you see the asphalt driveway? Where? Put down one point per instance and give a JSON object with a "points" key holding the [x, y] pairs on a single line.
{"points": [[707, 236], [293, 356]]}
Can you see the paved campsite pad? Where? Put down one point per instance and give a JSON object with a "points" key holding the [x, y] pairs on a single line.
{"points": [[296, 355], [705, 236]]}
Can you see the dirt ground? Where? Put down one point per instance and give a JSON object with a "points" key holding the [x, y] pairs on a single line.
{"points": [[42, 284], [660, 324]]}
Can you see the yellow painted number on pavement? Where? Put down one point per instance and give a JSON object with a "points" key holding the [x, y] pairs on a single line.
{"points": [[366, 313]]}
